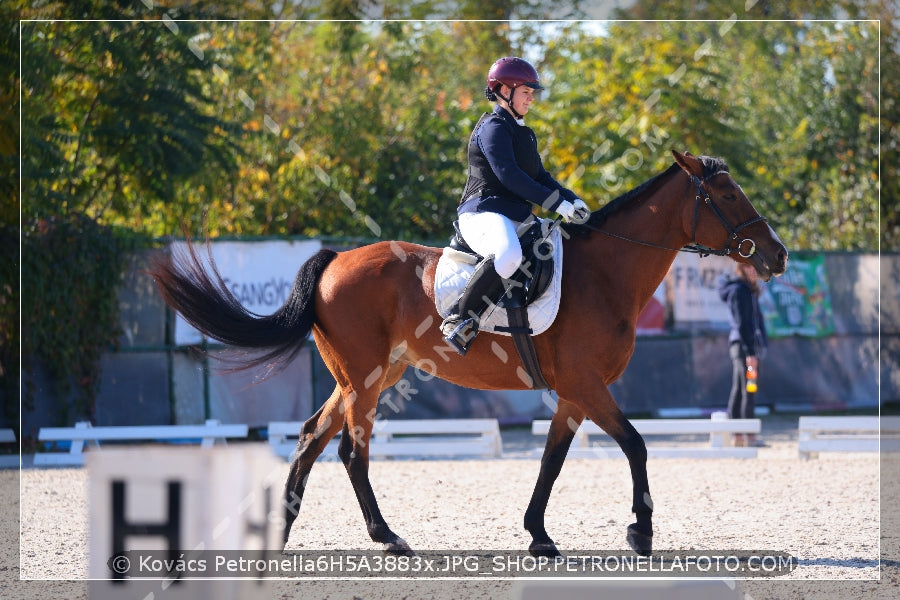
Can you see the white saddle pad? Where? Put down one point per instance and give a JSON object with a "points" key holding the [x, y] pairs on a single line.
{"points": [[454, 269]]}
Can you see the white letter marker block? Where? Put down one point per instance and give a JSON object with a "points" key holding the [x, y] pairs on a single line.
{"points": [[175, 501]]}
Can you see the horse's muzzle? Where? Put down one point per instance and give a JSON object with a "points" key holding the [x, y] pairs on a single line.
{"points": [[769, 264]]}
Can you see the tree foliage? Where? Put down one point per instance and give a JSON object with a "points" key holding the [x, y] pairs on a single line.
{"points": [[61, 306], [793, 113], [116, 119], [820, 82], [358, 128]]}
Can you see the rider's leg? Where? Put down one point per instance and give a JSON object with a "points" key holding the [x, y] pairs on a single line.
{"points": [[493, 236], [483, 289]]}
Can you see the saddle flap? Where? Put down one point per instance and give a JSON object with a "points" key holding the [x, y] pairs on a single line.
{"points": [[543, 273]]}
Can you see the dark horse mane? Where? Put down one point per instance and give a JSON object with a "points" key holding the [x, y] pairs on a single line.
{"points": [[711, 166]]}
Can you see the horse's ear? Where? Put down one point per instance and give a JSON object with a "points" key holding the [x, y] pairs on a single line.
{"points": [[690, 163]]}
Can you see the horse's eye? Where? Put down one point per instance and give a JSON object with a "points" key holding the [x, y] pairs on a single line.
{"points": [[730, 197]]}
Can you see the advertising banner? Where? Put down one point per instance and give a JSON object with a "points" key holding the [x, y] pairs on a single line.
{"points": [[692, 284], [798, 302]]}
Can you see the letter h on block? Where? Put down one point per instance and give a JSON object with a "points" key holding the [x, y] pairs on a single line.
{"points": [[170, 529]]}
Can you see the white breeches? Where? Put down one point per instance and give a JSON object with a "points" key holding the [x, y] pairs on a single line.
{"points": [[489, 233]]}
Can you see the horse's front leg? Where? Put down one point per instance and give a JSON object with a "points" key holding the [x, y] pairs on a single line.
{"points": [[601, 408], [563, 426], [640, 534], [612, 421]]}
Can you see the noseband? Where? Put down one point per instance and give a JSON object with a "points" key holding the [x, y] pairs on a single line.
{"points": [[706, 250]]}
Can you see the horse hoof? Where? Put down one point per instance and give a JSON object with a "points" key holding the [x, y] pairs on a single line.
{"points": [[639, 541], [398, 547], [547, 549]]}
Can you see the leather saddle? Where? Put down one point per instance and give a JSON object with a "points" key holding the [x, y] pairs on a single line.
{"points": [[536, 271]]}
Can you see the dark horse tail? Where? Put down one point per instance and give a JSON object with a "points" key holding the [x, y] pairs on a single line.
{"points": [[201, 296]]}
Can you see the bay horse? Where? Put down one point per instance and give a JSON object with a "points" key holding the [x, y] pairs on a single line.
{"points": [[372, 313]]}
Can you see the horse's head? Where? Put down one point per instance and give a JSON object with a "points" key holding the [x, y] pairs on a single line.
{"points": [[721, 220]]}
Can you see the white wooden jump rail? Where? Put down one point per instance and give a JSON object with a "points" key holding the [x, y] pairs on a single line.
{"points": [[847, 434], [8, 461], [413, 437], [719, 429], [83, 434]]}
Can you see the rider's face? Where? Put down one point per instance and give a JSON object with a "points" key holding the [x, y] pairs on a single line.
{"points": [[522, 97]]}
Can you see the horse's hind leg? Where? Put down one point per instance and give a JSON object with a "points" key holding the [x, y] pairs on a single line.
{"points": [[315, 434], [354, 452], [356, 460], [563, 426]]}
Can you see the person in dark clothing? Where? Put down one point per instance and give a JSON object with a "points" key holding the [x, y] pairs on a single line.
{"points": [[747, 341], [506, 180]]}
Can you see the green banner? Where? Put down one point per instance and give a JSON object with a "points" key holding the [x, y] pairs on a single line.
{"points": [[798, 303]]}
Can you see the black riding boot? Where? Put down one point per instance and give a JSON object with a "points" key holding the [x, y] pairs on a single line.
{"points": [[483, 289]]}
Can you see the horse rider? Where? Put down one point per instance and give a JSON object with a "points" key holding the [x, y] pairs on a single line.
{"points": [[506, 178]]}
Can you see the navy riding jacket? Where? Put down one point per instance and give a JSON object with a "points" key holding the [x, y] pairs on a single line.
{"points": [[506, 174]]}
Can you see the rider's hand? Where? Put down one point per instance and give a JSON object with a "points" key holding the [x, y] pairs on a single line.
{"points": [[567, 210], [582, 212]]}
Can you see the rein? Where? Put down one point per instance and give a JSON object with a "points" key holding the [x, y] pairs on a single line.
{"points": [[694, 247]]}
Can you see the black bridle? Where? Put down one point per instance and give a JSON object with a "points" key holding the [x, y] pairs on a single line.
{"points": [[705, 250], [695, 247]]}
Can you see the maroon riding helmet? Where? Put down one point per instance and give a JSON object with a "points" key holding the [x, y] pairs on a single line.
{"points": [[513, 71]]}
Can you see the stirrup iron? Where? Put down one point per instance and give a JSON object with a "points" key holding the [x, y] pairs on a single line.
{"points": [[458, 337]]}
